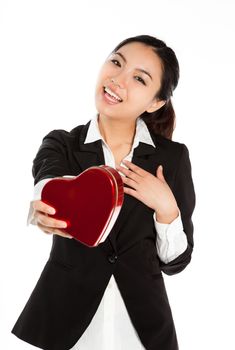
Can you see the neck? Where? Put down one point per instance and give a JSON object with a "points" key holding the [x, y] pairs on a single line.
{"points": [[116, 131]]}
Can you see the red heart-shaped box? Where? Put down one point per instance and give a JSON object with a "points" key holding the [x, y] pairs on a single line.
{"points": [[89, 203]]}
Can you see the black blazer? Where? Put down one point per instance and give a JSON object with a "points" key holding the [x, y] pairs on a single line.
{"points": [[75, 276]]}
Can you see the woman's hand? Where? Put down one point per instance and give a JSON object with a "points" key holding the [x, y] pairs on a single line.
{"points": [[46, 223], [151, 190]]}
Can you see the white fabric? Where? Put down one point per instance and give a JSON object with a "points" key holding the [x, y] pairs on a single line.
{"points": [[111, 327]]}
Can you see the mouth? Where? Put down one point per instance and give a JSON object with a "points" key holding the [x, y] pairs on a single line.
{"points": [[111, 96]]}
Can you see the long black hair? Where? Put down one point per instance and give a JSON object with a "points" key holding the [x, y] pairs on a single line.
{"points": [[161, 121]]}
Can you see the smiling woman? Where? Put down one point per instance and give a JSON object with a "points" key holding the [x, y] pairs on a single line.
{"points": [[133, 76], [146, 61], [113, 296]]}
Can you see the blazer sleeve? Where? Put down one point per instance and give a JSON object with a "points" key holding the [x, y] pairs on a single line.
{"points": [[51, 159], [183, 190]]}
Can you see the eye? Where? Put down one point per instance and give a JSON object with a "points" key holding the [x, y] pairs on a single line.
{"points": [[140, 80], [115, 63]]}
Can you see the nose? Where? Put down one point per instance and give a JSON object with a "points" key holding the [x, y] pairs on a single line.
{"points": [[114, 81], [119, 80]]}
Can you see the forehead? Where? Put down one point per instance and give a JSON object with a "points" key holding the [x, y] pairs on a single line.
{"points": [[142, 56]]}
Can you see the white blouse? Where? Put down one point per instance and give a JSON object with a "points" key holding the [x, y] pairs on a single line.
{"points": [[111, 327]]}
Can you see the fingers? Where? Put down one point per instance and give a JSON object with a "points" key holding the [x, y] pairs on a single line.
{"points": [[52, 230], [129, 173], [43, 207], [139, 171], [159, 173], [46, 223], [130, 182]]}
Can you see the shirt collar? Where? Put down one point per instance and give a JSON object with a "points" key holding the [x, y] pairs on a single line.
{"points": [[142, 133]]}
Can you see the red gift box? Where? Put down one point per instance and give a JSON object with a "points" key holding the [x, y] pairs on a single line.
{"points": [[90, 202]]}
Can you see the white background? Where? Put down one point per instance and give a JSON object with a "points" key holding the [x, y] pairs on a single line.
{"points": [[50, 55]]}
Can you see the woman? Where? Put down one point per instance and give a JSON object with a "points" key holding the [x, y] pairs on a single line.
{"points": [[113, 296]]}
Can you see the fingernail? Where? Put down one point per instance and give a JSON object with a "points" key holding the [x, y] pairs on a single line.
{"points": [[52, 211]]}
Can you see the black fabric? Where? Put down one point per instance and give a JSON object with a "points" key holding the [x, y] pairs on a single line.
{"points": [[75, 277]]}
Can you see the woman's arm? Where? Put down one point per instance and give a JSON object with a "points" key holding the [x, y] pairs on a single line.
{"points": [[171, 240], [183, 190], [50, 162], [51, 159]]}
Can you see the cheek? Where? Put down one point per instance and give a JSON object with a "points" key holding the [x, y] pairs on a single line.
{"points": [[142, 93], [137, 93], [106, 71], [139, 99]]}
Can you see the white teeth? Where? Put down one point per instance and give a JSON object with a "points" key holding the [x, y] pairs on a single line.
{"points": [[110, 92]]}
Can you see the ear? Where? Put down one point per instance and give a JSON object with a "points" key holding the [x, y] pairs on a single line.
{"points": [[155, 105]]}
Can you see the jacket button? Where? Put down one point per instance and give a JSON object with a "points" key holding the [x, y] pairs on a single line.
{"points": [[112, 258]]}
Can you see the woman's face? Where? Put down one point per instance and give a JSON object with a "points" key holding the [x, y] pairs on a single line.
{"points": [[136, 73]]}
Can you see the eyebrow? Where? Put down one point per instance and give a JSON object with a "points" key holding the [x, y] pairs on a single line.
{"points": [[139, 69]]}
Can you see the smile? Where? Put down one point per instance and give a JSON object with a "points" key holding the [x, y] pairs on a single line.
{"points": [[109, 93]]}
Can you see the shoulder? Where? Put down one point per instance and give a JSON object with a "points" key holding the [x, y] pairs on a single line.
{"points": [[173, 148], [66, 138]]}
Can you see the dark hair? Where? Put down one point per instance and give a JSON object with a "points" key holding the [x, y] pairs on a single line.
{"points": [[161, 121]]}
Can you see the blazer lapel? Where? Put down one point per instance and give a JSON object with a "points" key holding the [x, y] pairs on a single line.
{"points": [[144, 156], [91, 154], [88, 154]]}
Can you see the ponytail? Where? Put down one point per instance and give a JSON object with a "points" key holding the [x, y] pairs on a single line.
{"points": [[161, 121]]}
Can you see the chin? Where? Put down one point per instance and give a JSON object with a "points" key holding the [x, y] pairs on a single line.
{"points": [[104, 109]]}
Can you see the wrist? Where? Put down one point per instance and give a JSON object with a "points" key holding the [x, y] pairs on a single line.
{"points": [[166, 218]]}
